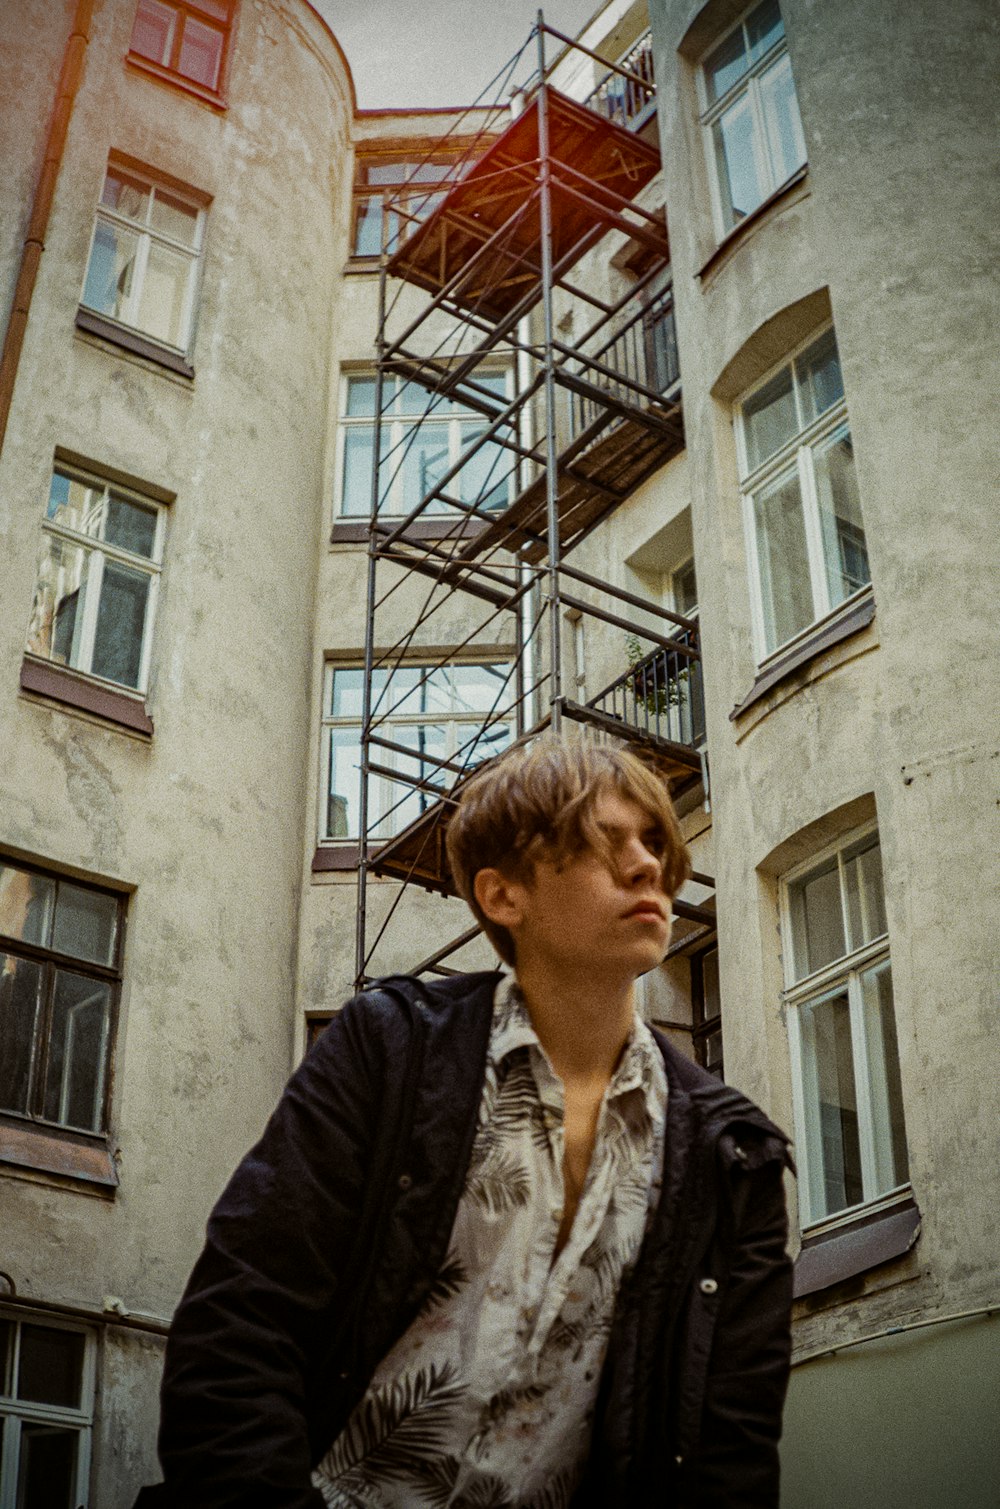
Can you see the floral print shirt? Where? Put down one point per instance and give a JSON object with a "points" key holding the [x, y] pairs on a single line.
{"points": [[486, 1401]]}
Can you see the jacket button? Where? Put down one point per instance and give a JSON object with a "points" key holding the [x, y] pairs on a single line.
{"points": [[404, 1181], [708, 1286]]}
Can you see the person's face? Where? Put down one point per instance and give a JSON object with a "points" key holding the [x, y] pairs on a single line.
{"points": [[580, 913]]}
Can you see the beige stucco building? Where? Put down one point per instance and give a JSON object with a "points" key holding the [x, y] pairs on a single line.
{"points": [[184, 484]]}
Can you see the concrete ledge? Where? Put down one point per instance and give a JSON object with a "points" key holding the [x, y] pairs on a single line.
{"points": [[61, 685], [847, 1251]]}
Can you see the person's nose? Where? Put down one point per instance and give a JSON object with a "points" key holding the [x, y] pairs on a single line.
{"points": [[640, 864]]}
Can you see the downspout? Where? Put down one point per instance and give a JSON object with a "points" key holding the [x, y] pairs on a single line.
{"points": [[34, 241]]}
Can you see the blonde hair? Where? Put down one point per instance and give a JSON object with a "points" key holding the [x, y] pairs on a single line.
{"points": [[537, 802]]}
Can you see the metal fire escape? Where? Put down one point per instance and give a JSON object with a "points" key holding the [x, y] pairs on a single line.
{"points": [[567, 401]]}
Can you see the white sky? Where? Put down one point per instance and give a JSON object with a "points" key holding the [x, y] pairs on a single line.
{"points": [[409, 53]]}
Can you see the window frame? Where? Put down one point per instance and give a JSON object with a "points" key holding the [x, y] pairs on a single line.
{"points": [[410, 157], [711, 111], [171, 73], [50, 960], [398, 427], [840, 975], [793, 458], [146, 236], [100, 551], [15, 1412], [454, 722]]}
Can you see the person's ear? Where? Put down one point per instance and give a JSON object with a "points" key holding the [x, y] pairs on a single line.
{"points": [[500, 899]]}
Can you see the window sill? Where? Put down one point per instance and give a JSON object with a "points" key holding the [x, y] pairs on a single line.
{"points": [[353, 531], [72, 689], [750, 222], [344, 857], [177, 81], [131, 340], [355, 265], [48, 1150], [834, 1256], [852, 622]]}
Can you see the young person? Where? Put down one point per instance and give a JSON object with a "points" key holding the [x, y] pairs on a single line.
{"points": [[501, 1246]]}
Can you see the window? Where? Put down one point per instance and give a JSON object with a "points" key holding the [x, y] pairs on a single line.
{"points": [[97, 580], [438, 711], [706, 1011], [60, 973], [188, 40], [845, 1062], [143, 266], [751, 118], [802, 508], [422, 438], [392, 195], [46, 1414]]}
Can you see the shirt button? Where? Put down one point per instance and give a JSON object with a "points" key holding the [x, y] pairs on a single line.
{"points": [[404, 1181], [708, 1286]]}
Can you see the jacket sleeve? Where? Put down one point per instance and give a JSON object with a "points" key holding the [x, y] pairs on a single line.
{"points": [[266, 1292], [748, 1367]]}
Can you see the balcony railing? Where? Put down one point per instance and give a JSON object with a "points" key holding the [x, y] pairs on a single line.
{"points": [[627, 101], [661, 694], [641, 355]]}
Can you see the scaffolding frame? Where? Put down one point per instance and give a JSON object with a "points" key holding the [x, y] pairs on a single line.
{"points": [[548, 460]]}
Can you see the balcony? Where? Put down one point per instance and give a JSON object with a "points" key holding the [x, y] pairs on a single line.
{"points": [[628, 99]]}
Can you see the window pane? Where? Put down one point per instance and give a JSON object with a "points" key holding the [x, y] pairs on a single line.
{"points": [[401, 804], [201, 53], [863, 887], [817, 919], [739, 173], [346, 691], [46, 1476], [25, 904], [20, 1004], [769, 418], [128, 196], [175, 218], [6, 1360], [423, 461], [833, 1149], [785, 141], [73, 504], [51, 1367], [820, 382], [764, 28], [356, 484], [785, 588], [78, 1041], [479, 687], [361, 396], [344, 796], [110, 272], [367, 239], [85, 923], [483, 478], [121, 620], [162, 304], [473, 747], [153, 32], [891, 1161], [386, 172], [726, 64], [710, 985], [845, 554], [55, 628], [130, 527]]}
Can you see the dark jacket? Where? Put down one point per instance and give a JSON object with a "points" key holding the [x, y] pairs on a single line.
{"points": [[326, 1240]]}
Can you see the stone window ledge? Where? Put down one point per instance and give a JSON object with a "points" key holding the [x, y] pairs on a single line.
{"points": [[342, 857], [58, 684], [356, 531], [749, 224], [177, 80], [51, 1150], [852, 622], [831, 1257], [133, 341]]}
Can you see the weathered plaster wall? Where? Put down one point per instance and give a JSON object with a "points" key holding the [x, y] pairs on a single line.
{"points": [[204, 822]]}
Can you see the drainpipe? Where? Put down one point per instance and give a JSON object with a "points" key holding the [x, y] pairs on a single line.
{"points": [[34, 241]]}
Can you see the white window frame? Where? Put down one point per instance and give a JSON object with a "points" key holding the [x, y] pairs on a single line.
{"points": [[460, 727], [100, 552], [796, 455], [147, 235], [712, 110], [15, 1411], [396, 427], [812, 989]]}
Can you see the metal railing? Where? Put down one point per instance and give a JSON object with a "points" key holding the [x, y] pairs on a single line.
{"points": [[627, 101], [641, 354], [661, 694]]}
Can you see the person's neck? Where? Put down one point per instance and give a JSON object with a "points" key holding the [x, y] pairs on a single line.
{"points": [[582, 1019]]}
